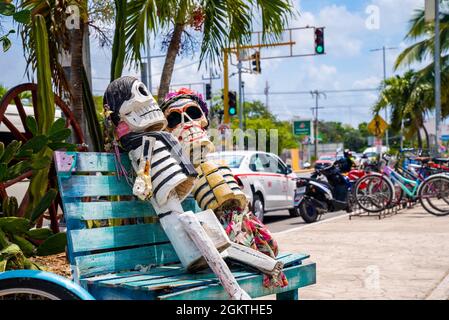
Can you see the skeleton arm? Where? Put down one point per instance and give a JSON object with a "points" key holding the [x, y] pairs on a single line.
{"points": [[141, 162]]}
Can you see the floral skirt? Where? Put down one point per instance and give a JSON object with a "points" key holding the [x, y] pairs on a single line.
{"points": [[244, 228]]}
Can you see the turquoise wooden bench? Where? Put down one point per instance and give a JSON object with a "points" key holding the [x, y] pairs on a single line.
{"points": [[135, 260]]}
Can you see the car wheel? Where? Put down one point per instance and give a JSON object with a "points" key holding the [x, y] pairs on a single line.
{"points": [[258, 207], [294, 213]]}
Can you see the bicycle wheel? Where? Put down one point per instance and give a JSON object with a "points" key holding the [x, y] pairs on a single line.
{"points": [[434, 195], [33, 289], [373, 193]]}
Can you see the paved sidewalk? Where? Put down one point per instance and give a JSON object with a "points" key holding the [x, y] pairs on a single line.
{"points": [[405, 256]]}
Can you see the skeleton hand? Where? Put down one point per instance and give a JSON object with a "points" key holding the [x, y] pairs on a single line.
{"points": [[142, 187]]}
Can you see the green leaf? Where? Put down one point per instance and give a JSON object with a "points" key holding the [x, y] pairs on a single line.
{"points": [[58, 125], [4, 241], [60, 135], [62, 145], [6, 43], [39, 163], [3, 264], [11, 251], [53, 245], [26, 246], [14, 225], [10, 151], [31, 125], [43, 205], [2, 149], [17, 169], [3, 171], [39, 234], [36, 143], [7, 9], [23, 16]]}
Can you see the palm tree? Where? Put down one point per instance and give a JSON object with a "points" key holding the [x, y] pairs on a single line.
{"points": [[422, 33], [410, 98], [222, 22]]}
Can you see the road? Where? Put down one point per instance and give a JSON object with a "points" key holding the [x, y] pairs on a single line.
{"points": [[280, 220]]}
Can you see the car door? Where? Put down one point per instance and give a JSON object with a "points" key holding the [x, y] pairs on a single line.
{"points": [[277, 181]]}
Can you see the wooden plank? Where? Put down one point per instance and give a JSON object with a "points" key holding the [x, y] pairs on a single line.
{"points": [[128, 274], [298, 276], [89, 161], [117, 209], [92, 186], [124, 260], [108, 210], [116, 237]]}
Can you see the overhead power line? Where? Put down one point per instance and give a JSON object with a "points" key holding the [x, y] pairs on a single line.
{"points": [[308, 92]]}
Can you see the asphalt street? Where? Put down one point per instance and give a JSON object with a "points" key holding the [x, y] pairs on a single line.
{"points": [[280, 220]]}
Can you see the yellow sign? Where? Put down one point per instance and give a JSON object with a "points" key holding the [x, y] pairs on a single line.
{"points": [[377, 126]]}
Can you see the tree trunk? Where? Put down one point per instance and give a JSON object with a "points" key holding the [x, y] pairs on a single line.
{"points": [[170, 60], [426, 134], [76, 76], [419, 136]]}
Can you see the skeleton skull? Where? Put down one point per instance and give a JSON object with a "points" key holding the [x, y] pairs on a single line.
{"points": [[187, 122], [133, 107]]}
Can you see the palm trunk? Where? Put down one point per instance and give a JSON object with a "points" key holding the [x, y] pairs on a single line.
{"points": [[426, 133], [170, 60], [76, 76], [418, 132]]}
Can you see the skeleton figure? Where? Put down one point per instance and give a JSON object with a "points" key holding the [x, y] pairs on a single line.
{"points": [[215, 188], [165, 177]]}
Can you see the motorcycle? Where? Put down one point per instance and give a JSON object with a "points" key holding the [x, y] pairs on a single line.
{"points": [[316, 197]]}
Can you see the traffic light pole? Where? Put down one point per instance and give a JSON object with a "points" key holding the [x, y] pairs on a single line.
{"points": [[437, 74], [239, 66], [226, 86]]}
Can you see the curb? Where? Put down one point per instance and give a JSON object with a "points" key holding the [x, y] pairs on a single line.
{"points": [[441, 292]]}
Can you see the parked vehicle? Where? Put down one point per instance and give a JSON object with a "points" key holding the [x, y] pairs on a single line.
{"points": [[266, 180], [325, 160], [315, 197]]}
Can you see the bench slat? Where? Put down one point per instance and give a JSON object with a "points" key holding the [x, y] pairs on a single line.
{"points": [[117, 237], [298, 277], [117, 209], [92, 186], [88, 161], [108, 210], [122, 260]]}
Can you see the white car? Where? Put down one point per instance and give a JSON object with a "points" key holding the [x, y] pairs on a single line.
{"points": [[266, 180]]}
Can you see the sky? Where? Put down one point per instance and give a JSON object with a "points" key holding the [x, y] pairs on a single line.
{"points": [[352, 29]]}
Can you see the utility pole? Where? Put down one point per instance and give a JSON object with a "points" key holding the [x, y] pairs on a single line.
{"points": [[150, 82], [437, 74], [383, 49], [316, 94], [244, 115]]}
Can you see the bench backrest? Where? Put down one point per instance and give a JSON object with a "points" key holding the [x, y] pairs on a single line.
{"points": [[92, 193]]}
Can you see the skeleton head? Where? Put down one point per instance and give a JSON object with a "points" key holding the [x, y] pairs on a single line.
{"points": [[187, 121], [133, 107]]}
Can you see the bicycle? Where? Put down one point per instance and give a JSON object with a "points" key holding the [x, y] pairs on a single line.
{"points": [[376, 191]]}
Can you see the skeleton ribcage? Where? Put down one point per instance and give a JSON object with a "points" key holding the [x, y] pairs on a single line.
{"points": [[216, 187]]}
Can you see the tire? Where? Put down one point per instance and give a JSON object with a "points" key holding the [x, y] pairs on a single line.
{"points": [[258, 207], [308, 210], [440, 208], [33, 289], [294, 213], [369, 198]]}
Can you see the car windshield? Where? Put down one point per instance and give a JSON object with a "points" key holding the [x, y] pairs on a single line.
{"points": [[232, 161]]}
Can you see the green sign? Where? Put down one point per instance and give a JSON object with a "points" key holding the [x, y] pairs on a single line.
{"points": [[302, 128]]}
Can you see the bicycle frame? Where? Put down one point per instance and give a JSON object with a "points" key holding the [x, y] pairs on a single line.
{"points": [[395, 177]]}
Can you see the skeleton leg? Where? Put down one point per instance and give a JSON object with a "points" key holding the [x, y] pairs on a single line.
{"points": [[212, 256], [253, 258], [191, 242]]}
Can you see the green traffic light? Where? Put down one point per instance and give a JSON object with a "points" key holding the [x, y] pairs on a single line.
{"points": [[319, 49], [232, 111]]}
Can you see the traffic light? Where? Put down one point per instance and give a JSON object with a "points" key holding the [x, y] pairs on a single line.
{"points": [[319, 40], [232, 103], [256, 62], [208, 92]]}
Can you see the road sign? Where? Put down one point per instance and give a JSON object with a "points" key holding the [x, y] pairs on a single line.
{"points": [[302, 127], [377, 126]]}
